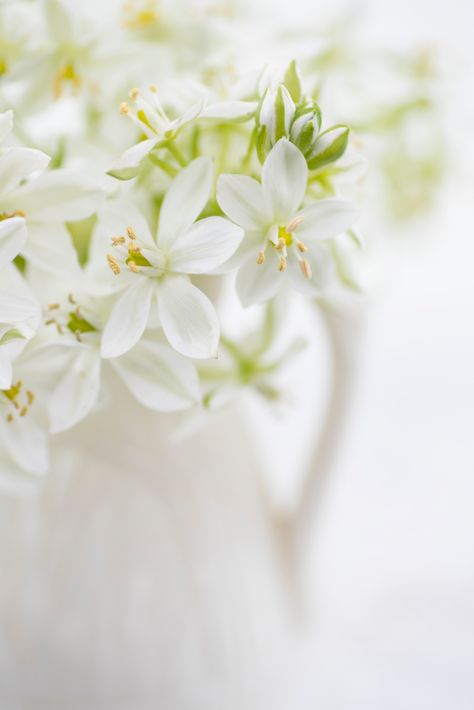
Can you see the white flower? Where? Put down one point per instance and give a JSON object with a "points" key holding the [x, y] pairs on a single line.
{"points": [[153, 272], [23, 439], [19, 312], [46, 199], [159, 129], [282, 241], [156, 376]]}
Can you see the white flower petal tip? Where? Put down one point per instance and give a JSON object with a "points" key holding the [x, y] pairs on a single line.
{"points": [[128, 319], [184, 201], [129, 164], [13, 237], [188, 318]]}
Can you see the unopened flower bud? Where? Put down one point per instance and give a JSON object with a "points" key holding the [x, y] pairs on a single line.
{"points": [[275, 118], [329, 147]]}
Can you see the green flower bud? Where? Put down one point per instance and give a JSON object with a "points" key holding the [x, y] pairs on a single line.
{"points": [[275, 118], [305, 128], [329, 146]]}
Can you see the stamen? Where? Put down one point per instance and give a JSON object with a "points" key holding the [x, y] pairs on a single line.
{"points": [[281, 244], [261, 257], [78, 336], [54, 306], [132, 266], [153, 88], [134, 93], [282, 264], [131, 233], [71, 299], [124, 108], [79, 314], [306, 269], [59, 328], [24, 411], [10, 418], [117, 241], [50, 321], [294, 224], [30, 396], [113, 263], [302, 247]]}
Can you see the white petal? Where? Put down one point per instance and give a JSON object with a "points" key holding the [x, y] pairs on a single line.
{"points": [[128, 318], [5, 369], [128, 165], [241, 198], [184, 201], [58, 196], [12, 239], [188, 318], [76, 392], [257, 283], [14, 309], [16, 164], [27, 444], [158, 377], [115, 217], [205, 246], [51, 249], [325, 219], [6, 124], [284, 177], [230, 111], [322, 268]]}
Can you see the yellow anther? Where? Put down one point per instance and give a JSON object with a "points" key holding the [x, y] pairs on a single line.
{"points": [[113, 263], [59, 328], [54, 306], [282, 264], [50, 321], [19, 385], [78, 336], [281, 244], [261, 257], [305, 269], [71, 299], [124, 108], [9, 418], [117, 241], [79, 314], [30, 396], [153, 88], [302, 247], [134, 93], [131, 233], [132, 266], [23, 411]]}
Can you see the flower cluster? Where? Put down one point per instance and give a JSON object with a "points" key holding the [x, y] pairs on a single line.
{"points": [[120, 233]]}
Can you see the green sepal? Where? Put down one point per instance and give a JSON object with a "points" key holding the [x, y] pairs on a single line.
{"points": [[260, 143], [280, 129], [12, 334]]}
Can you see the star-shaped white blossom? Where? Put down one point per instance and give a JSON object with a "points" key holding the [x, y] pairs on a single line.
{"points": [[283, 241]]}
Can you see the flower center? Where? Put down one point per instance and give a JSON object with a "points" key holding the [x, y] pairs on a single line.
{"points": [[139, 15], [72, 320], [21, 400], [66, 73], [129, 252], [282, 240]]}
